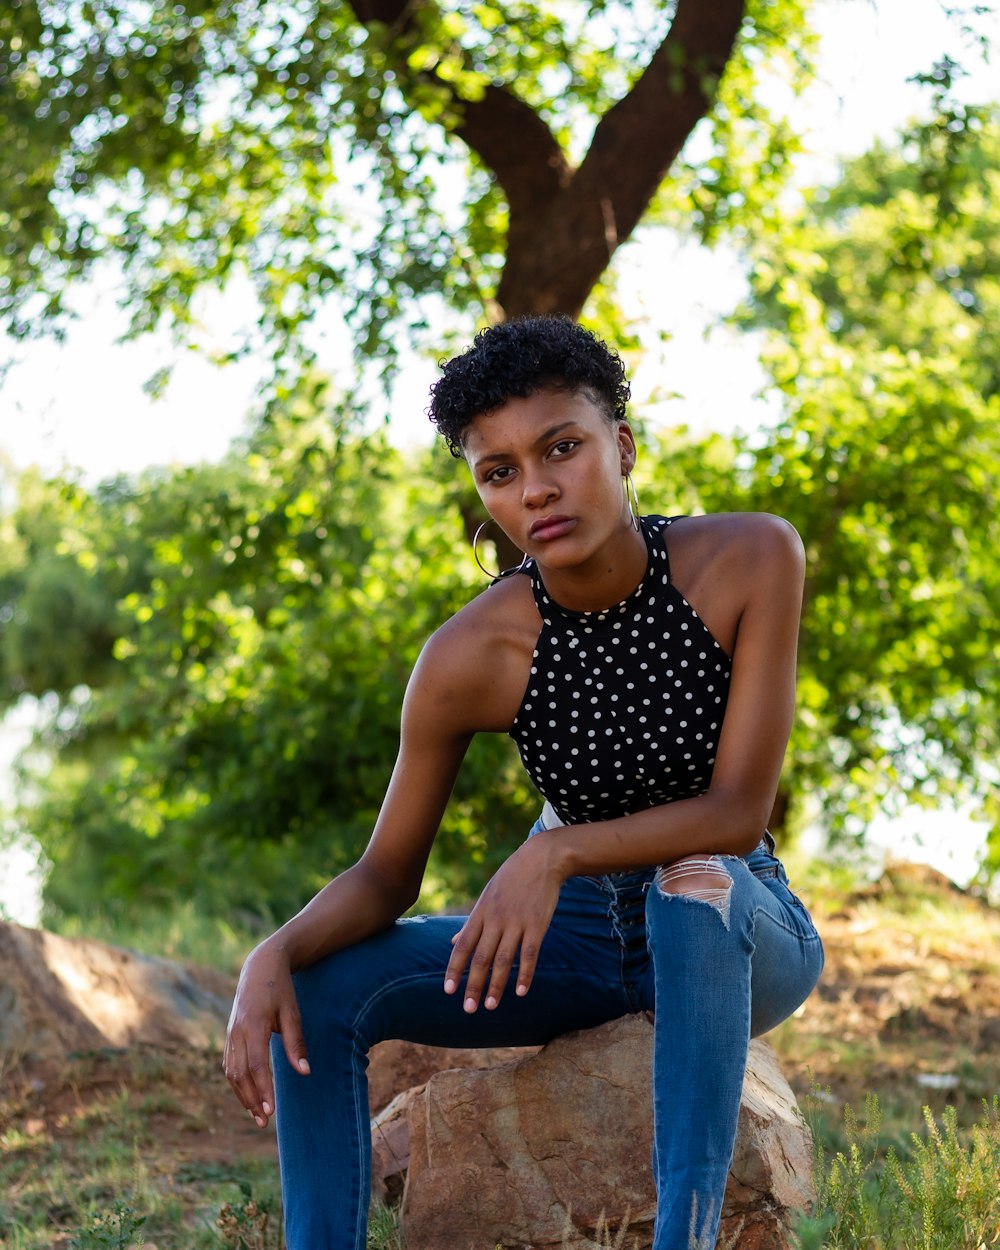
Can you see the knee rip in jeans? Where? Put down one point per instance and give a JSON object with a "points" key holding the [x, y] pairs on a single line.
{"points": [[701, 878]]}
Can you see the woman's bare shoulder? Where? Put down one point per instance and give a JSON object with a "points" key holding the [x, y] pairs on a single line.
{"points": [[724, 561], [734, 527], [745, 539], [473, 669]]}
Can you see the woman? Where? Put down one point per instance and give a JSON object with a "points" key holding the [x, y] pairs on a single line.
{"points": [[646, 671]]}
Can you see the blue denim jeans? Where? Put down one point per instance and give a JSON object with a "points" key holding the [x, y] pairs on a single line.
{"points": [[617, 944]]}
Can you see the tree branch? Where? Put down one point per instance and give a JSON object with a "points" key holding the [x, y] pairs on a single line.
{"points": [[565, 226], [513, 141], [634, 145], [505, 133], [639, 138]]}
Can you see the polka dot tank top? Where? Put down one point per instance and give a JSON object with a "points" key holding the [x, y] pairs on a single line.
{"points": [[623, 706]]}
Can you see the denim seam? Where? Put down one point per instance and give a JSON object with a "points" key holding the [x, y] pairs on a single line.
{"points": [[802, 937], [364, 1176], [390, 988]]}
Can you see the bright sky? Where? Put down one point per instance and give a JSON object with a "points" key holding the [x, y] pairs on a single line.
{"points": [[82, 403]]}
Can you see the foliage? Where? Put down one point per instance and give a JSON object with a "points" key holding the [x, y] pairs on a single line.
{"points": [[323, 149], [182, 933], [229, 644], [383, 1228], [116, 1230], [945, 1194], [874, 298], [237, 751], [247, 1224]]}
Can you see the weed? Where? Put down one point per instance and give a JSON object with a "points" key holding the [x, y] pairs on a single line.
{"points": [[605, 1237], [246, 1225], [944, 1196], [117, 1230], [383, 1228], [180, 932]]}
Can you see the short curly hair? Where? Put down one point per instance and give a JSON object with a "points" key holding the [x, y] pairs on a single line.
{"points": [[517, 358]]}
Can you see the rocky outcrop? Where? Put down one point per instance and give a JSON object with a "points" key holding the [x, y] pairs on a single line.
{"points": [[394, 1067], [60, 995], [536, 1153]]}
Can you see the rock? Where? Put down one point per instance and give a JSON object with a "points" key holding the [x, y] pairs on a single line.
{"points": [[60, 995], [521, 1155], [772, 1169], [391, 1146], [397, 1066]]}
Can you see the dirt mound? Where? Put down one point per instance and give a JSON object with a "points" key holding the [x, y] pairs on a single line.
{"points": [[59, 996], [909, 1001]]}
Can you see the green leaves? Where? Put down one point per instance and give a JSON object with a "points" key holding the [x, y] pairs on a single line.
{"points": [[877, 300], [243, 710], [314, 151]]}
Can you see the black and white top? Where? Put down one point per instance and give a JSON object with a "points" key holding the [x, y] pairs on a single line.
{"points": [[623, 706]]}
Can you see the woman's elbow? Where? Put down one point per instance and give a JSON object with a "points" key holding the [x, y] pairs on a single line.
{"points": [[742, 821]]}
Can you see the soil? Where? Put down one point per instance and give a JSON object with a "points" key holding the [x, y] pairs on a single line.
{"points": [[909, 1005]]}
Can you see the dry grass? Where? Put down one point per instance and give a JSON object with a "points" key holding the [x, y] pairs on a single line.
{"points": [[909, 1006]]}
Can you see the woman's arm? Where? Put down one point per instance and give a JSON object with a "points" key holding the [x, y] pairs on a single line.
{"points": [[731, 816], [369, 896], [761, 579]]}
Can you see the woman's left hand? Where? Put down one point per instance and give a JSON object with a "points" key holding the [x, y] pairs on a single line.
{"points": [[512, 914]]}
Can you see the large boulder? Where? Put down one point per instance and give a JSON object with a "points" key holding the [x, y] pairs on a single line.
{"points": [[394, 1067], [59, 995], [539, 1152]]}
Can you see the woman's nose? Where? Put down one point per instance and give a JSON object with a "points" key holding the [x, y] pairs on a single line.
{"points": [[537, 490]]}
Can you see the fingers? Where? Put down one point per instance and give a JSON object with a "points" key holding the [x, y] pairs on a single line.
{"points": [[489, 955], [292, 1039], [530, 947], [248, 1071], [464, 945], [503, 961], [246, 1062]]}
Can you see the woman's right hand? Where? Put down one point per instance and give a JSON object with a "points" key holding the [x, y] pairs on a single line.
{"points": [[265, 1003]]}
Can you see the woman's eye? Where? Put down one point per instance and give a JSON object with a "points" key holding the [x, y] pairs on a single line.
{"points": [[564, 446], [499, 474]]}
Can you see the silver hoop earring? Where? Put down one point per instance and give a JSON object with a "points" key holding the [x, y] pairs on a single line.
{"points": [[475, 555], [632, 499]]}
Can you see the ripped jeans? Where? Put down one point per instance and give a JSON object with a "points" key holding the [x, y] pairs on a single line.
{"points": [[717, 969]]}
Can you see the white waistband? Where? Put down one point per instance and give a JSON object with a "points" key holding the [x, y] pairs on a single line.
{"points": [[550, 817]]}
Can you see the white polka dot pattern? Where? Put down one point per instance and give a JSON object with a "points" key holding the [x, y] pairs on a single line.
{"points": [[624, 706]]}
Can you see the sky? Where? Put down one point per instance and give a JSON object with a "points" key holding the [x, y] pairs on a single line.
{"points": [[82, 404]]}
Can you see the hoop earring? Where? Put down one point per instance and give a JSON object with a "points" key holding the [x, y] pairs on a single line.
{"points": [[632, 499], [475, 555]]}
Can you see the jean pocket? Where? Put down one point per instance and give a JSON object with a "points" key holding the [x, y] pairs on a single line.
{"points": [[764, 865]]}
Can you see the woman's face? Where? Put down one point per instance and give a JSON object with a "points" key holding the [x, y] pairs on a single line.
{"points": [[549, 470]]}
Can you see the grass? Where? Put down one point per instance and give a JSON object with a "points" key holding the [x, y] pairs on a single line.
{"points": [[183, 934], [939, 1192], [113, 1152], [102, 1157]]}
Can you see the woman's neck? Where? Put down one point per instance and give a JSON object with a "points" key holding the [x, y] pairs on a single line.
{"points": [[610, 575]]}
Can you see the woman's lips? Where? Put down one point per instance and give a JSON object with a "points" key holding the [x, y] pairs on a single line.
{"points": [[551, 527]]}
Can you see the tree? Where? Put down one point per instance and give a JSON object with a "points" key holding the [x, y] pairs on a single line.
{"points": [[198, 140], [879, 297], [236, 749], [219, 662], [194, 142]]}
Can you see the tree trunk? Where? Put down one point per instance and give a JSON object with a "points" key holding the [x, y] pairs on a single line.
{"points": [[566, 224]]}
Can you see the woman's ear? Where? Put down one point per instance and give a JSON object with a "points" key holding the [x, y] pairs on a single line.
{"points": [[626, 447]]}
